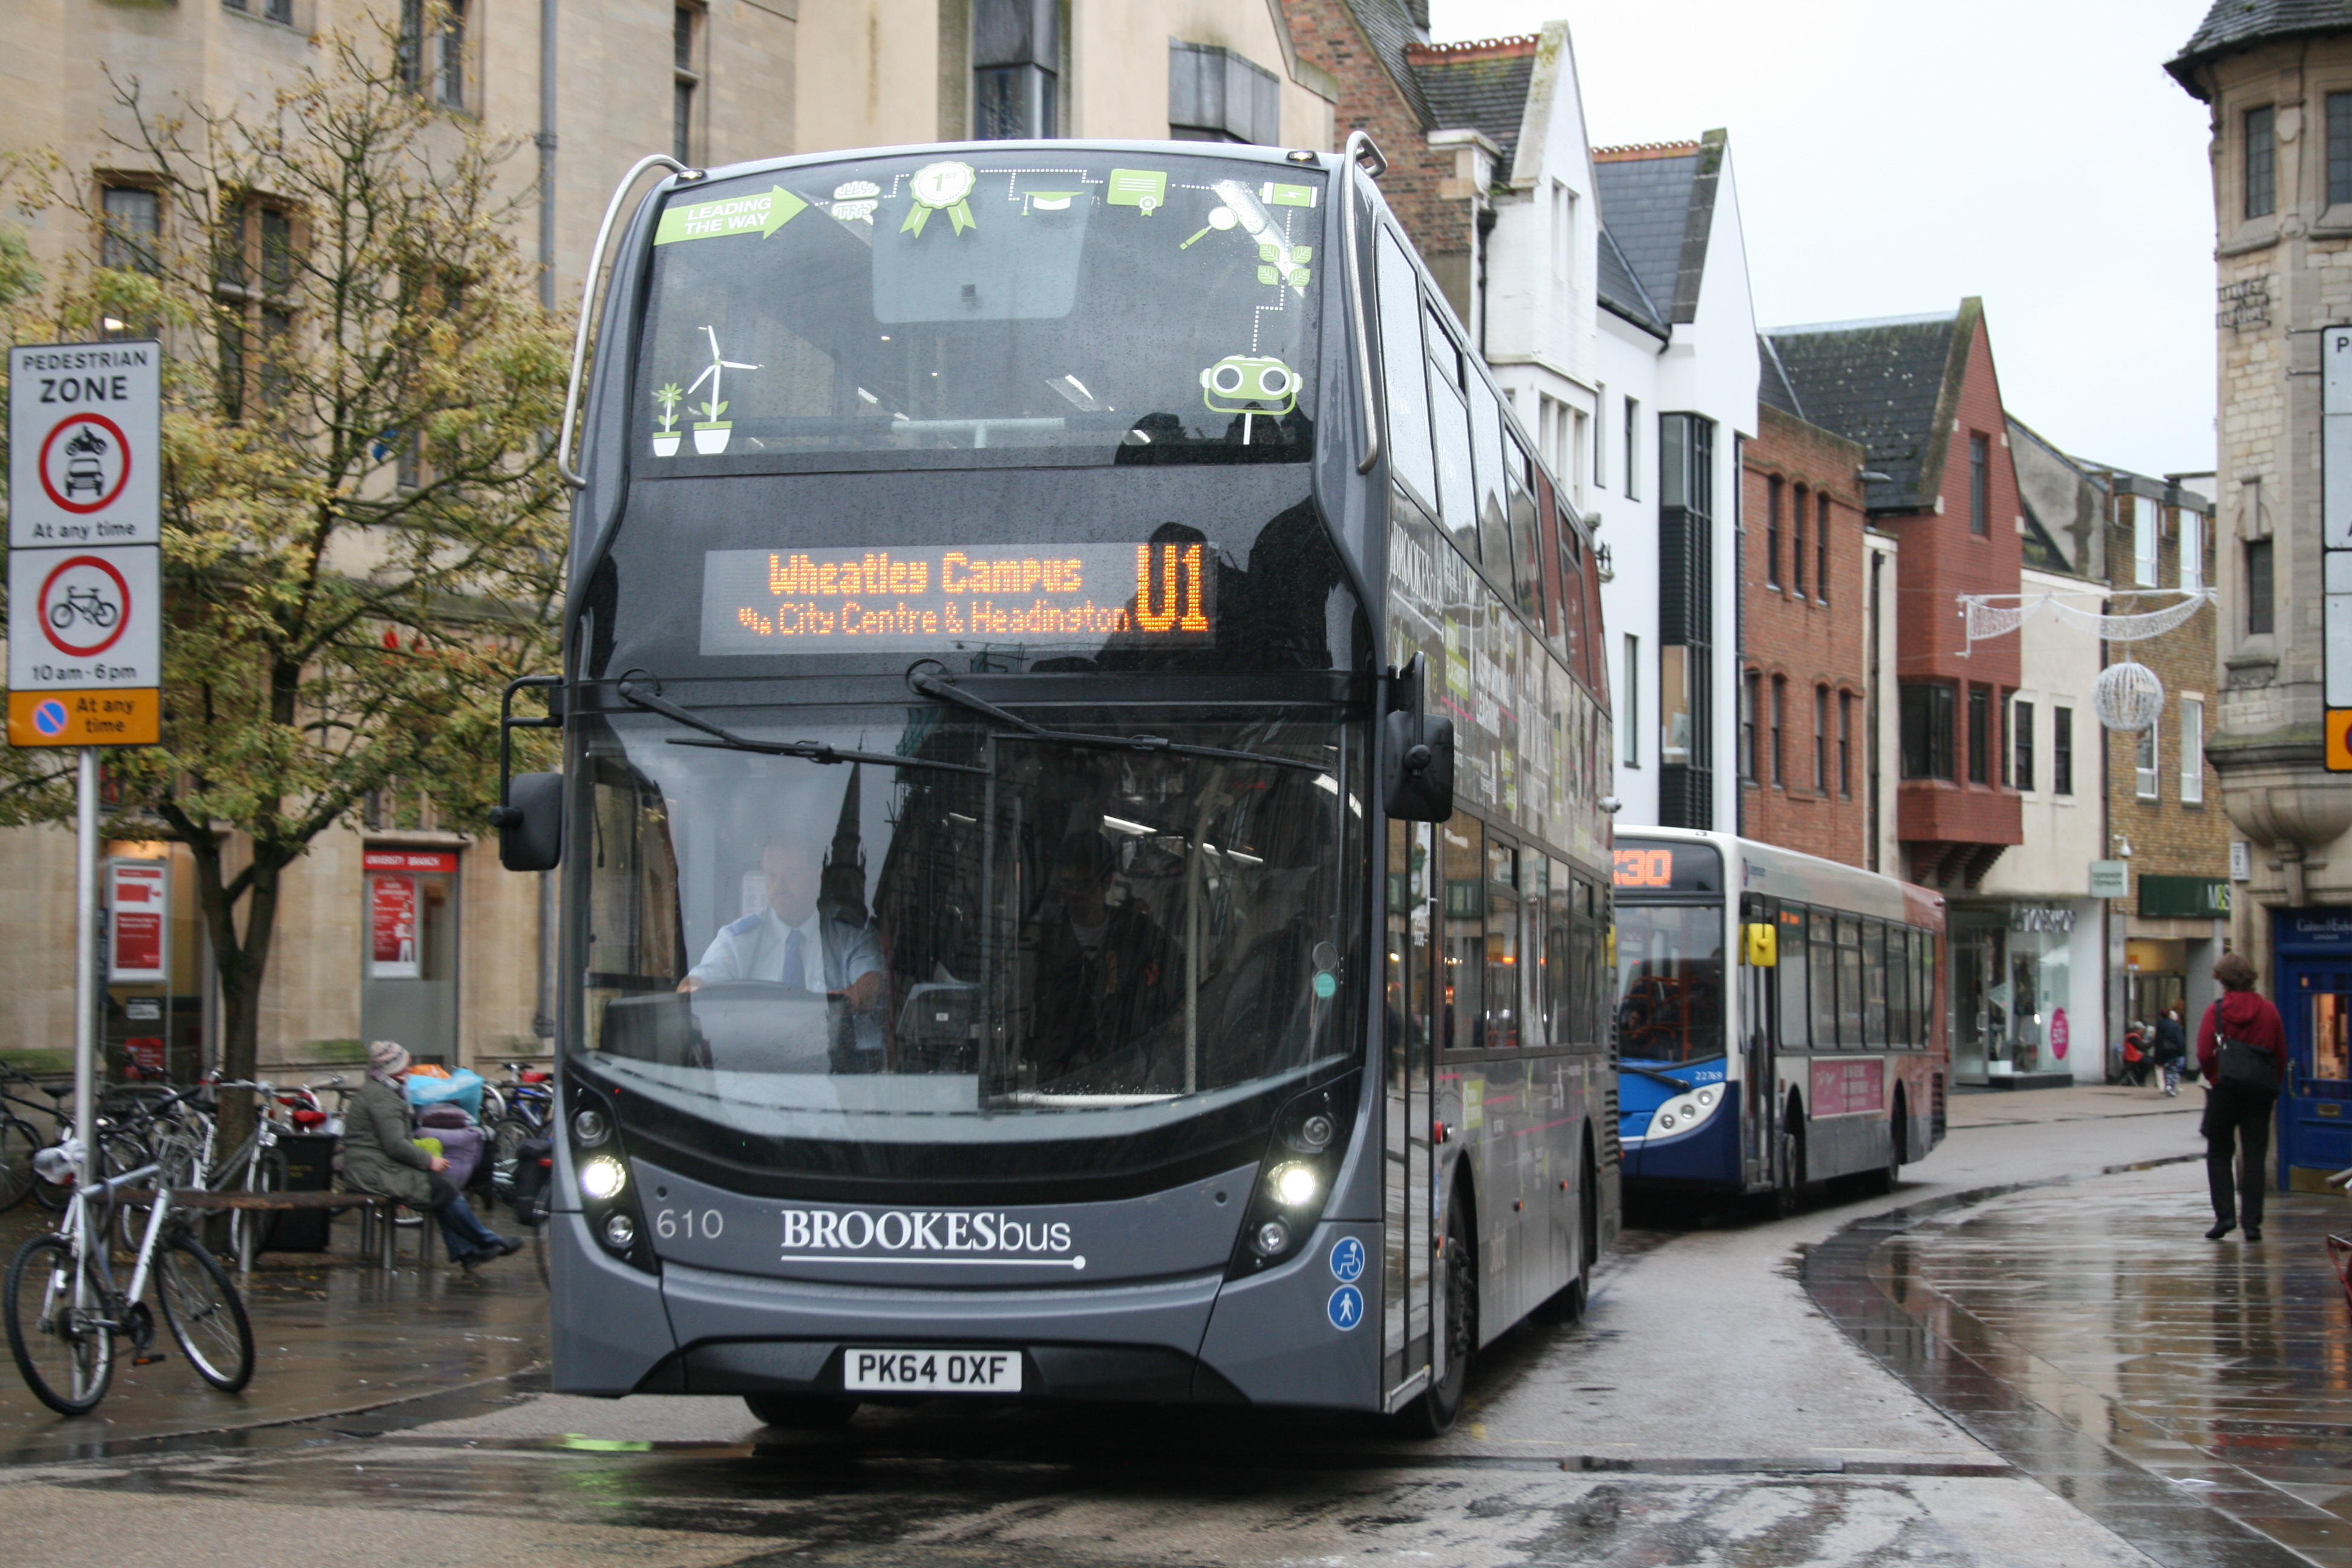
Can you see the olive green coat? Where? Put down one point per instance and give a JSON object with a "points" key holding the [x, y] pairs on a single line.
{"points": [[379, 1154]]}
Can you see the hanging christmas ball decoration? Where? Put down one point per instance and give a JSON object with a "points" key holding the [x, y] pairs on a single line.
{"points": [[2128, 696]]}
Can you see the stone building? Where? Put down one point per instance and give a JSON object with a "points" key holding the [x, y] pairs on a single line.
{"points": [[2276, 76], [1805, 618], [584, 90]]}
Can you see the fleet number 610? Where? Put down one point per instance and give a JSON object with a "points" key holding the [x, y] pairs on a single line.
{"points": [[673, 1223]]}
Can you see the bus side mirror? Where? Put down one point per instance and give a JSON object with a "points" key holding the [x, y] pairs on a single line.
{"points": [[530, 823], [1417, 767], [1763, 945]]}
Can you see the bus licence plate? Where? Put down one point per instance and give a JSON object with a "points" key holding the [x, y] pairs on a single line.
{"points": [[930, 1372]]}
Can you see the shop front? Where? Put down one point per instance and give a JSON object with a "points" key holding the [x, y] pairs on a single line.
{"points": [[409, 989], [2025, 992]]}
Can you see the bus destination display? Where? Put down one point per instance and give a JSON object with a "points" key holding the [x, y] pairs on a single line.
{"points": [[929, 597], [1679, 869]]}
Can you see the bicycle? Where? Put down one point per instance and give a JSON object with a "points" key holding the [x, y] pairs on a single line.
{"points": [[525, 1109], [64, 1310], [20, 1141]]}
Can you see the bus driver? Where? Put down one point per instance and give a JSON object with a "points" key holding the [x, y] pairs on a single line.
{"points": [[791, 942]]}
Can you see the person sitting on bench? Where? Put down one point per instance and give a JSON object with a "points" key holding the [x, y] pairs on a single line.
{"points": [[380, 1156]]}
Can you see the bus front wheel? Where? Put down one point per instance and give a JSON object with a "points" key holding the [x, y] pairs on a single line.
{"points": [[1432, 1414], [1788, 1173]]}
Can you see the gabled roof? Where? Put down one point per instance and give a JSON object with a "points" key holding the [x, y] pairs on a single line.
{"points": [[1889, 385], [1481, 87], [2234, 24], [1621, 293], [1658, 201], [1391, 28], [1773, 386]]}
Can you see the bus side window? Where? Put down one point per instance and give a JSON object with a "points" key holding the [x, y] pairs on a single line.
{"points": [[1487, 464], [1898, 987], [1821, 952], [1796, 1022], [1535, 917], [1525, 548], [1596, 658], [1850, 995], [1548, 566], [1462, 966], [1506, 1015], [1411, 461], [1874, 984], [1563, 960]]}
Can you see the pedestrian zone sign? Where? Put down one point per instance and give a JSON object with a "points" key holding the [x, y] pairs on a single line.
{"points": [[85, 594]]}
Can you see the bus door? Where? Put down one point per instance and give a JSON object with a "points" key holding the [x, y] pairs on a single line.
{"points": [[1408, 1188], [1757, 1111]]}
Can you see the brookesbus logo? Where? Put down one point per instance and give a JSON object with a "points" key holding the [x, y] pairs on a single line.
{"points": [[926, 1235]]}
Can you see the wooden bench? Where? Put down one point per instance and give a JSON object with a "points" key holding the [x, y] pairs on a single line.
{"points": [[376, 1211]]}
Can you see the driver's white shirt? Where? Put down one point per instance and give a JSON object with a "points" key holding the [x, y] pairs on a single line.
{"points": [[754, 948]]}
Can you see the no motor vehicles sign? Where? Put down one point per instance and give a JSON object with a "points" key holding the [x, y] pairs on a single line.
{"points": [[84, 439]]}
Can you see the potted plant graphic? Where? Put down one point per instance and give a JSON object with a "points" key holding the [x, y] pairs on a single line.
{"points": [[666, 439], [711, 432]]}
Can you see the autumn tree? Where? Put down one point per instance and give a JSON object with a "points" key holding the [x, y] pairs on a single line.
{"points": [[362, 524]]}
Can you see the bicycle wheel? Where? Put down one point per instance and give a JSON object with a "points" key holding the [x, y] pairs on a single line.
{"points": [[505, 1144], [206, 1314], [268, 1175], [65, 1352], [18, 1145]]}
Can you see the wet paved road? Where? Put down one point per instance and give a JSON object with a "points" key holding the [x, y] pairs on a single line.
{"points": [[1709, 1412]]}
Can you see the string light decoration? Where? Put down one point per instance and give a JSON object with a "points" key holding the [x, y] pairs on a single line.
{"points": [[2128, 696]]}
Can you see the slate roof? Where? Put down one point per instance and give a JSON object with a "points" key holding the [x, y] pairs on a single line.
{"points": [[1621, 293], [1772, 384], [1879, 382], [1388, 26], [1645, 204], [1482, 87], [2234, 24]]}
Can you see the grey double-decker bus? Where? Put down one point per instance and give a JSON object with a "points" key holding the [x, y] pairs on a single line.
{"points": [[1083, 874]]}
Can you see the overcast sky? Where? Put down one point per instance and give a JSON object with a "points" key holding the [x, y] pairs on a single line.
{"points": [[1893, 158]]}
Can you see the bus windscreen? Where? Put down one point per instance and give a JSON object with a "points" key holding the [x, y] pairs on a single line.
{"points": [[1669, 991], [981, 309]]}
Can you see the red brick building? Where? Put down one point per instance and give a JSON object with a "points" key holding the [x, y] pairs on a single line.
{"points": [[1920, 395], [1803, 695]]}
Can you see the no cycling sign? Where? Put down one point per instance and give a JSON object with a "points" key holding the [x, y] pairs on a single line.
{"points": [[85, 604]]}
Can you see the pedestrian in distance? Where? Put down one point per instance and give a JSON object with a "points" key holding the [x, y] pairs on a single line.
{"points": [[2241, 1054], [382, 1155], [2135, 1056], [2172, 1049]]}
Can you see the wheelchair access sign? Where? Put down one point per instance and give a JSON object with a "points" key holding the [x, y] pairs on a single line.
{"points": [[85, 605]]}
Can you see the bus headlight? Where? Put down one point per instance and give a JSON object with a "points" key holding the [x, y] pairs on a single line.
{"points": [[620, 1232], [1271, 1238], [603, 1178], [1294, 1186], [590, 1126], [1685, 1112]]}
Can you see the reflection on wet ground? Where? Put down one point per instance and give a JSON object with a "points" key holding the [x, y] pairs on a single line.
{"points": [[2194, 1397], [328, 1334]]}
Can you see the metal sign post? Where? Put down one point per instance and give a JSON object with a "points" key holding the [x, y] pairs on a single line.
{"points": [[84, 599]]}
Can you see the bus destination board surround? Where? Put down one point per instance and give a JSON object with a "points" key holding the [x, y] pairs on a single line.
{"points": [[937, 596]]}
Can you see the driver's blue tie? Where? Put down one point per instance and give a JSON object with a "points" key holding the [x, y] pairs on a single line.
{"points": [[795, 960]]}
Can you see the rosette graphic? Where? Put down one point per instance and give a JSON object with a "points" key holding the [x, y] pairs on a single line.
{"points": [[942, 187]]}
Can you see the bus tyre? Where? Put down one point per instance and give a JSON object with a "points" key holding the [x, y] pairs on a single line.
{"points": [[1898, 1140], [801, 1410], [1432, 1415], [1781, 1201]]}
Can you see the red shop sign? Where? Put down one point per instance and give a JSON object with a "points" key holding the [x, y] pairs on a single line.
{"points": [[409, 859]]}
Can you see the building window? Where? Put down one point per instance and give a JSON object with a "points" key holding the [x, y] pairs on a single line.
{"points": [[1580, 441], [1601, 436], [1016, 52], [2147, 530], [1979, 727], [1927, 730], [1845, 745], [1631, 733], [1751, 692], [1674, 725], [1780, 719], [2192, 750], [1820, 739], [1563, 239], [1215, 94], [1979, 485], [270, 10], [133, 230], [2261, 616], [2193, 550], [253, 288], [686, 55], [1821, 548], [1633, 446], [1797, 553], [2339, 148], [2021, 729], [1772, 532], [2002, 748], [2262, 162], [2062, 750], [432, 50], [2144, 763]]}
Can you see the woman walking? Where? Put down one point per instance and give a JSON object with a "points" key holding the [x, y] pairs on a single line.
{"points": [[2242, 1053], [2172, 1049]]}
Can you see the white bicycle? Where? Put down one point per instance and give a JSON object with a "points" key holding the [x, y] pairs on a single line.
{"points": [[64, 1310]]}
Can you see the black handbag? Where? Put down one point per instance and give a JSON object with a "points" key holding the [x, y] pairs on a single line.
{"points": [[2246, 1066]]}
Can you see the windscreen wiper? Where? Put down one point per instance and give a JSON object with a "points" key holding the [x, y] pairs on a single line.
{"points": [[929, 684], [725, 740], [1677, 1085]]}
